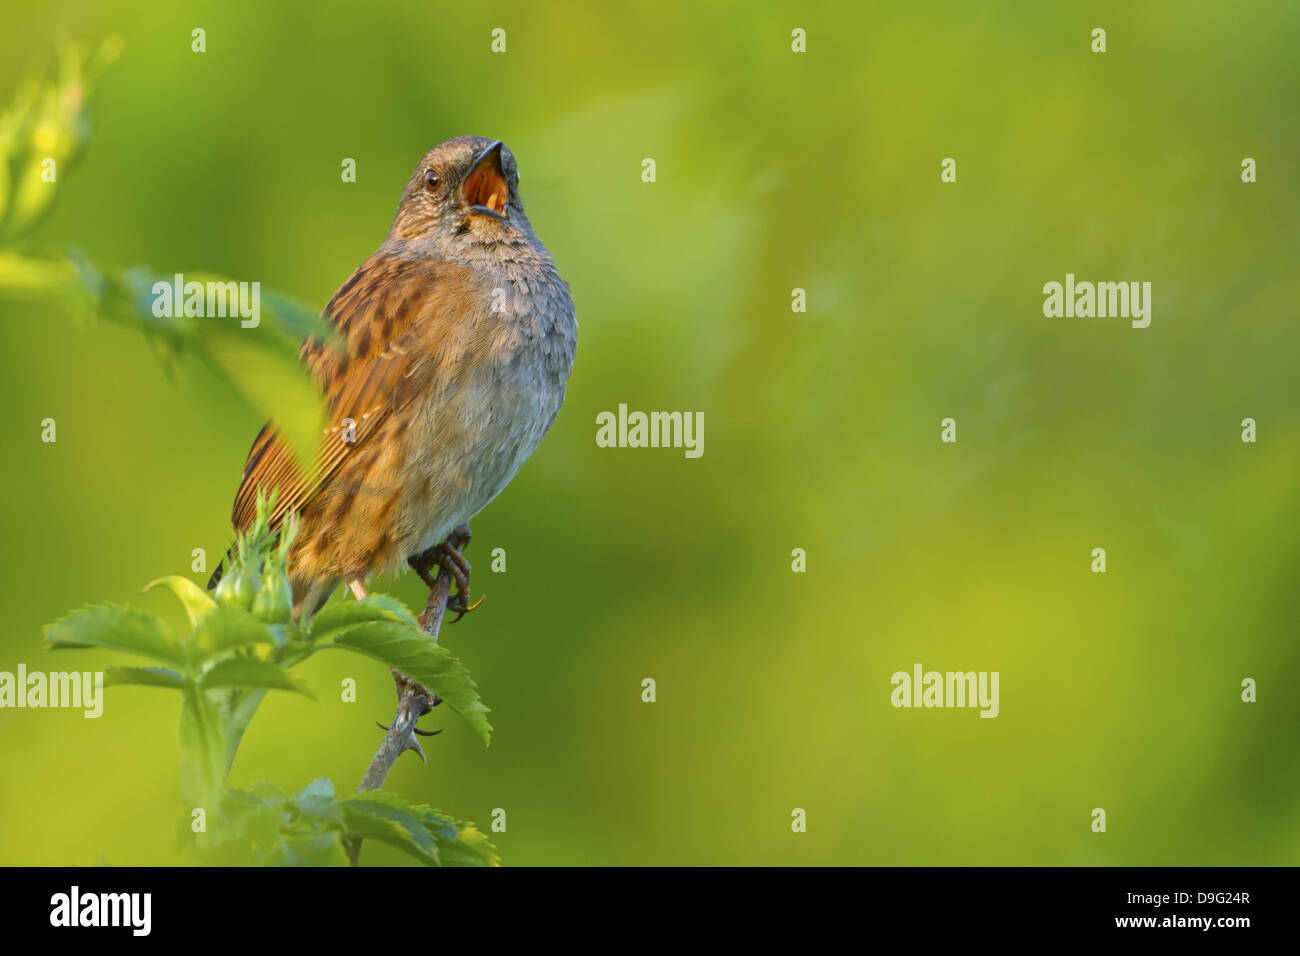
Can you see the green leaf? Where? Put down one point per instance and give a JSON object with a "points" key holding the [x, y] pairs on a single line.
{"points": [[414, 654], [260, 362], [247, 827], [314, 849], [225, 629], [455, 843], [146, 676], [293, 652], [388, 819], [251, 672], [268, 792], [459, 843], [317, 802], [263, 365], [242, 708], [320, 788], [469, 847], [116, 628], [198, 603], [337, 617]]}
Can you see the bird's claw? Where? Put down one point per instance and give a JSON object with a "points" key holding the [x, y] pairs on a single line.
{"points": [[456, 602], [447, 557]]}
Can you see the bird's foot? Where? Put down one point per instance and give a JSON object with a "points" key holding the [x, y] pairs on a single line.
{"points": [[447, 557], [456, 602]]}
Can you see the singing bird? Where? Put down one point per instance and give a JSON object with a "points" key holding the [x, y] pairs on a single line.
{"points": [[455, 342]]}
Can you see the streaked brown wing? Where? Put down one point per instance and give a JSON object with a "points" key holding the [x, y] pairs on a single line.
{"points": [[391, 315]]}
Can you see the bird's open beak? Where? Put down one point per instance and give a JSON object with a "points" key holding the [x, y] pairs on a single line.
{"points": [[485, 188]]}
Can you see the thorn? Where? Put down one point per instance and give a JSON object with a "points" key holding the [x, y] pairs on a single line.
{"points": [[415, 745]]}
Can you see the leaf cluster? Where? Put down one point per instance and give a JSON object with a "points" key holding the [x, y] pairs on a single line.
{"points": [[242, 643]]}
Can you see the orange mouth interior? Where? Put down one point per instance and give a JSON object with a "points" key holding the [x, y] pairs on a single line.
{"points": [[486, 187]]}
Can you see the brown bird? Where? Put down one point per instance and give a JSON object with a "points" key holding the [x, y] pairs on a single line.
{"points": [[455, 341]]}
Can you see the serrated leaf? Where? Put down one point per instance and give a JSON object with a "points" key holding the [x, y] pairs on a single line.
{"points": [[268, 792], [245, 828], [198, 603], [386, 818], [145, 676], [414, 654], [320, 788], [256, 816], [459, 843], [225, 629], [456, 843], [317, 802], [470, 847], [337, 617], [251, 672], [116, 628]]}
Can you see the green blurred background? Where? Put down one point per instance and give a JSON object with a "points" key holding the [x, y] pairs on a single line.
{"points": [[775, 171]]}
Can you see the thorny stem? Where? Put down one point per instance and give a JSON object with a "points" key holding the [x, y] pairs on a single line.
{"points": [[414, 700]]}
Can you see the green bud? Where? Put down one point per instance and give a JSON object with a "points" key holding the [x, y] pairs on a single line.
{"points": [[239, 587], [274, 601]]}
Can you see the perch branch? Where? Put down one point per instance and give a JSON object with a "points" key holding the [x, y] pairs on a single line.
{"points": [[414, 700]]}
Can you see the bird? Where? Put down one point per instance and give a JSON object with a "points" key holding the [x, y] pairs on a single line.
{"points": [[452, 348]]}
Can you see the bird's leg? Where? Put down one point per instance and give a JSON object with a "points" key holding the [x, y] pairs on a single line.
{"points": [[358, 589], [451, 559], [423, 563], [447, 557], [436, 605]]}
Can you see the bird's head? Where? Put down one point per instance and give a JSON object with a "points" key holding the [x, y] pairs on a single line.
{"points": [[464, 193]]}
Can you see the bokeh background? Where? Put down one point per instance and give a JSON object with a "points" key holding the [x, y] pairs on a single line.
{"points": [[775, 171]]}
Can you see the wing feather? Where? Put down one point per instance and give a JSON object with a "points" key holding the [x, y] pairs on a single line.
{"points": [[391, 314]]}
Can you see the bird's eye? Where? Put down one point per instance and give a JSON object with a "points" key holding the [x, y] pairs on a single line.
{"points": [[431, 179]]}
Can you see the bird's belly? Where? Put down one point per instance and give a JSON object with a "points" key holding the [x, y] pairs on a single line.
{"points": [[469, 440]]}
